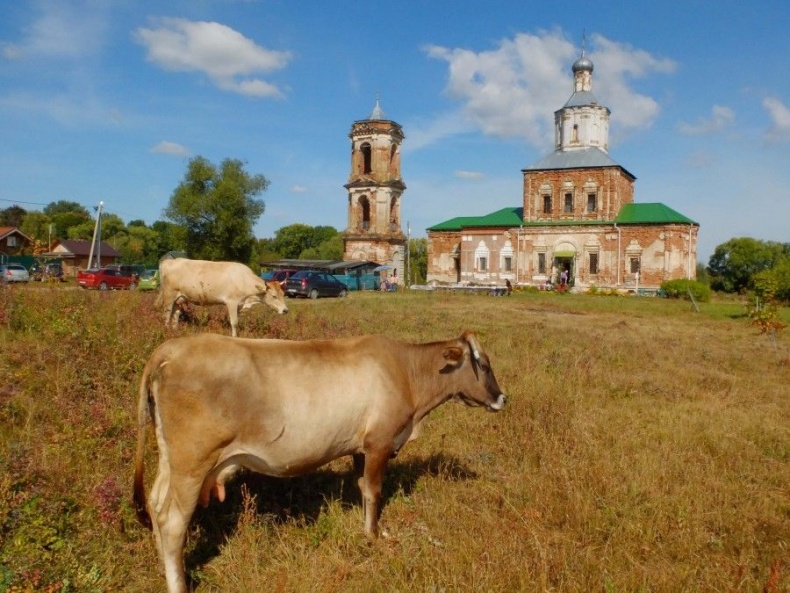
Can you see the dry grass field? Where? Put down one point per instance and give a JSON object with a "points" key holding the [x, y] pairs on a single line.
{"points": [[645, 447]]}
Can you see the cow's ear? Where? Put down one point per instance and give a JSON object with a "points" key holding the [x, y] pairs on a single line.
{"points": [[451, 359], [453, 354]]}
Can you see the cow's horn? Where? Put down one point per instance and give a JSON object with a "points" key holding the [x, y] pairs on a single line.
{"points": [[470, 338]]}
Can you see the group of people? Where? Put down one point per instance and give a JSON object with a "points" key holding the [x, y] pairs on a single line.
{"points": [[389, 284]]}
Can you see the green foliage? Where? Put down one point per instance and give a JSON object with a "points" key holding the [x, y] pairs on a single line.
{"points": [[680, 288], [763, 307], [12, 216], [37, 226], [216, 208], [302, 241], [734, 263], [331, 248], [418, 260]]}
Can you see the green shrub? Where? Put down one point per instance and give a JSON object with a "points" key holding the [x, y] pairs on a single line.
{"points": [[679, 289]]}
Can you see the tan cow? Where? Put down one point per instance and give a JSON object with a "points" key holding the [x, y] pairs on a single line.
{"points": [[284, 408], [214, 283]]}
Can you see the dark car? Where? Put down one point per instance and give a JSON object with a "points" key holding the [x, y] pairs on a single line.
{"points": [[133, 271], [279, 275], [314, 285], [50, 271]]}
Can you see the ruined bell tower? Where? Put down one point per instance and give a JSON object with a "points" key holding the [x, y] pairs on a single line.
{"points": [[374, 190]]}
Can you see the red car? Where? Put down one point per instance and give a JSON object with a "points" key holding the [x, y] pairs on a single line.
{"points": [[105, 279]]}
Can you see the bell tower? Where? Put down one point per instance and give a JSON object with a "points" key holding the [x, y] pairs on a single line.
{"points": [[374, 190]]}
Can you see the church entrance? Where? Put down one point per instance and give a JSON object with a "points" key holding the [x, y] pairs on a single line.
{"points": [[563, 269]]}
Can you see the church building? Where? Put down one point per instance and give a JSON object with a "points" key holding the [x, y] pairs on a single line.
{"points": [[578, 218], [375, 188]]}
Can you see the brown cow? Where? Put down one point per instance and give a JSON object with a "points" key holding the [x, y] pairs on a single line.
{"points": [[284, 408], [214, 283]]}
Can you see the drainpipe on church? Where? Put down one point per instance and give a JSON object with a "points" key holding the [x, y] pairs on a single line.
{"points": [[518, 250], [619, 240]]}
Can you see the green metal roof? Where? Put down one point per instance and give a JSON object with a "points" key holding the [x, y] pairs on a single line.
{"points": [[454, 224], [506, 217], [655, 213]]}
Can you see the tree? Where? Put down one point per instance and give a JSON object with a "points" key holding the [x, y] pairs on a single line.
{"points": [[37, 225], [418, 261], [293, 240], [332, 249], [168, 234], [216, 209], [12, 216], [734, 263], [64, 215]]}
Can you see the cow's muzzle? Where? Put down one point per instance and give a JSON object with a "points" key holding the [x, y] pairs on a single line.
{"points": [[500, 402]]}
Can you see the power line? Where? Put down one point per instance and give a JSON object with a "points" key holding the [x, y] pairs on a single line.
{"points": [[23, 202]]}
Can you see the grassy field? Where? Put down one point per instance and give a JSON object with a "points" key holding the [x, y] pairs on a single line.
{"points": [[646, 447]]}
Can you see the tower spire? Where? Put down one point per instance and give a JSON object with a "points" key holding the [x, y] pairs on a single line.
{"points": [[378, 112]]}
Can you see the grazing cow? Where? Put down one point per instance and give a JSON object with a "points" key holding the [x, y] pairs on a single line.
{"points": [[284, 408], [214, 283]]}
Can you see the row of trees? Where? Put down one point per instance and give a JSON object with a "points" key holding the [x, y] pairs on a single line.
{"points": [[210, 215], [213, 211]]}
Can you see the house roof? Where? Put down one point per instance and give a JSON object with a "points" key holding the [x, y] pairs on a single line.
{"points": [[12, 230], [652, 213], [577, 158], [82, 247], [329, 265]]}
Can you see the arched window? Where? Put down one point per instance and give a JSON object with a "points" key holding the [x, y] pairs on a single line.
{"points": [[575, 132], [506, 258], [367, 156], [364, 213], [481, 257], [393, 214]]}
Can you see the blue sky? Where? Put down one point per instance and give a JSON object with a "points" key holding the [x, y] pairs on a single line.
{"points": [[109, 99]]}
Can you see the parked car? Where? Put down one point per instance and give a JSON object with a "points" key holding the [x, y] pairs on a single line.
{"points": [[106, 279], [50, 271], [14, 273], [314, 285], [149, 280], [127, 270], [280, 275]]}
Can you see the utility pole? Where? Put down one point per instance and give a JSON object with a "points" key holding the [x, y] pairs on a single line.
{"points": [[408, 255], [96, 231]]}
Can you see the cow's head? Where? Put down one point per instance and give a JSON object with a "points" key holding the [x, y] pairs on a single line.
{"points": [[270, 293], [472, 374]]}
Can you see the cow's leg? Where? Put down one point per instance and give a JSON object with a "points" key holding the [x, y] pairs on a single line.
{"points": [[233, 315], [173, 500], [171, 307], [359, 472], [375, 463]]}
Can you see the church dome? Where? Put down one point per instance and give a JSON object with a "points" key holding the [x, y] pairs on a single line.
{"points": [[583, 63]]}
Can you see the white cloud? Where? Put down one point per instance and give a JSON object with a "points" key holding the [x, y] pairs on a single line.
{"points": [[226, 56], [473, 175], [780, 119], [298, 189], [426, 132], [71, 30], [720, 118], [165, 147], [514, 89]]}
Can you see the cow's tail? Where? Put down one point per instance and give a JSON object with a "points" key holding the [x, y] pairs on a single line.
{"points": [[144, 410]]}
